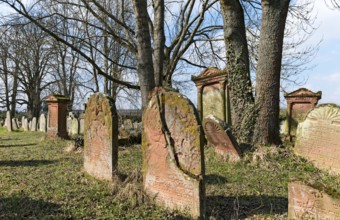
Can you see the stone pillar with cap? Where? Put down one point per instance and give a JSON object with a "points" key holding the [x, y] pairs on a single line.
{"points": [[57, 112]]}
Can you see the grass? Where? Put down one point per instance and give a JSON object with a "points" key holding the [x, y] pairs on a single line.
{"points": [[39, 180]]}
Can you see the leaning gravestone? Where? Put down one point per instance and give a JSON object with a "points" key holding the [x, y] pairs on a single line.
{"points": [[173, 153], [318, 138], [8, 121], [306, 202], [222, 140], [42, 123], [100, 142]]}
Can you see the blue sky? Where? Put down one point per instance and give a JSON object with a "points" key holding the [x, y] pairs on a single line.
{"points": [[325, 76]]}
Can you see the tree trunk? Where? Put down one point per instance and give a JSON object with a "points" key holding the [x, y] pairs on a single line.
{"points": [[239, 82], [144, 55], [274, 14], [159, 39]]}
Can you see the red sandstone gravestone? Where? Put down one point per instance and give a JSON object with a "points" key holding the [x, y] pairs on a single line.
{"points": [[222, 140], [318, 138], [100, 144], [173, 153], [305, 202], [57, 111]]}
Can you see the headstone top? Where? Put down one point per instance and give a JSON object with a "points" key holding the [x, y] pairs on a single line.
{"points": [[57, 98], [304, 93]]}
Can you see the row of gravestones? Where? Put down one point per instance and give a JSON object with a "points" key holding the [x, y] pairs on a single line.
{"points": [[26, 124], [75, 125]]}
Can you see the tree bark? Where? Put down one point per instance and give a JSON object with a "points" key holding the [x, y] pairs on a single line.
{"points": [[159, 40], [274, 14], [144, 55], [239, 82]]}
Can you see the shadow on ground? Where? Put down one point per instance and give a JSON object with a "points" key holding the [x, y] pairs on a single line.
{"points": [[17, 145], [242, 207], [23, 163], [27, 208], [213, 179]]}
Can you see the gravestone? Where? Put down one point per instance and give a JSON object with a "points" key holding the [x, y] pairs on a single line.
{"points": [[100, 139], [68, 124], [42, 123], [25, 124], [14, 124], [213, 94], [299, 103], [8, 121], [173, 159], [57, 111], [221, 138], [74, 127], [33, 124], [22, 121], [81, 124], [305, 202], [318, 138]]}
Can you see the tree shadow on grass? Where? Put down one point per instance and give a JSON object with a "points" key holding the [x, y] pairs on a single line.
{"points": [[23, 163], [213, 179], [16, 145], [242, 207], [27, 208]]}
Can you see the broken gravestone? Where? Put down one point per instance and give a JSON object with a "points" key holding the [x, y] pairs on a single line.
{"points": [[100, 141], [221, 138], [306, 202], [173, 153], [318, 138]]}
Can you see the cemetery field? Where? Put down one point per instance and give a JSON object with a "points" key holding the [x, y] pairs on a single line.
{"points": [[40, 180]]}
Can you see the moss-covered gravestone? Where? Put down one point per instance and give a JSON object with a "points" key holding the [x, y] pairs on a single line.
{"points": [[318, 138], [100, 142], [221, 138], [173, 153]]}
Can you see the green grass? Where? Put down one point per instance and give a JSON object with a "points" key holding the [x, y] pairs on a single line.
{"points": [[39, 180]]}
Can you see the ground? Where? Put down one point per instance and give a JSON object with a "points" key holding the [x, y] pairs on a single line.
{"points": [[40, 180]]}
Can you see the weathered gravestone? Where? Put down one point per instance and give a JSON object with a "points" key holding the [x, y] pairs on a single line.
{"points": [[25, 124], [33, 124], [81, 123], [42, 123], [57, 111], [318, 138], [74, 127], [100, 139], [8, 121], [68, 124], [173, 153], [221, 138], [305, 202], [14, 124], [299, 103], [213, 94]]}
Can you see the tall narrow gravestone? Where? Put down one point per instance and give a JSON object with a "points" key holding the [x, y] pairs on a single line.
{"points": [[42, 123], [100, 139], [173, 153], [8, 121], [318, 138], [57, 111], [222, 140]]}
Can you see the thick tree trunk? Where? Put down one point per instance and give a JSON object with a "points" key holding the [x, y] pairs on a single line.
{"points": [[274, 14], [239, 83], [144, 56]]}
